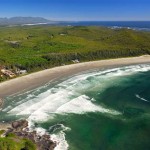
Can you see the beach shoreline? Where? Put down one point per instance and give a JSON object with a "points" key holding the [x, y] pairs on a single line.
{"points": [[40, 78]]}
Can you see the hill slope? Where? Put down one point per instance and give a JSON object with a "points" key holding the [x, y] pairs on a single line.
{"points": [[40, 47]]}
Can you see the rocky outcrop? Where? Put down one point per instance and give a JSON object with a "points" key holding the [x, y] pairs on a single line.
{"points": [[19, 125], [21, 130], [43, 142]]}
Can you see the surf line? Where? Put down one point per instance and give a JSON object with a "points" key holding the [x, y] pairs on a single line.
{"points": [[1, 103], [143, 99]]}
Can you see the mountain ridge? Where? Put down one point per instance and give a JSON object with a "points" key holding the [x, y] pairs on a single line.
{"points": [[22, 20]]}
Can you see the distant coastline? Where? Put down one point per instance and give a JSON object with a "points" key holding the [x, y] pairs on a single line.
{"points": [[38, 21], [40, 78], [134, 25]]}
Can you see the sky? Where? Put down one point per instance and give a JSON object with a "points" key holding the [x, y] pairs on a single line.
{"points": [[78, 10]]}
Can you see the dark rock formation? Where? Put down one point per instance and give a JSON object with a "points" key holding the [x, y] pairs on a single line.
{"points": [[20, 129], [19, 125]]}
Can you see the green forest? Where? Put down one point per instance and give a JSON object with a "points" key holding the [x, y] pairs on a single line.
{"points": [[36, 48]]}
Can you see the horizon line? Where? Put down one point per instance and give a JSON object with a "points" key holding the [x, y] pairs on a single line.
{"points": [[78, 20]]}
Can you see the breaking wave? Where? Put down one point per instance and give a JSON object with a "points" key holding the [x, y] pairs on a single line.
{"points": [[68, 97], [59, 137], [141, 98]]}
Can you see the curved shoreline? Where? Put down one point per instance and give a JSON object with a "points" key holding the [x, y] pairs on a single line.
{"points": [[40, 78]]}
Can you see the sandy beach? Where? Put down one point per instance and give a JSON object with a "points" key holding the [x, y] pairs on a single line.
{"points": [[40, 78]]}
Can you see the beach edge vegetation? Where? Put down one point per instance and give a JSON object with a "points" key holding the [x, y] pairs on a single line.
{"points": [[34, 48]]}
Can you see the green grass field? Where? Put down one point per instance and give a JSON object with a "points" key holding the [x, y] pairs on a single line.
{"points": [[40, 47]]}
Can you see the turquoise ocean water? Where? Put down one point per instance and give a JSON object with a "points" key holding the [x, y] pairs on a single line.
{"points": [[105, 109]]}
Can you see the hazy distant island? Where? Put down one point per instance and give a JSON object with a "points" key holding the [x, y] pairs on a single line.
{"points": [[22, 20]]}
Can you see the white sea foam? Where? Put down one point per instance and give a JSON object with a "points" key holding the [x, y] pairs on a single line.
{"points": [[60, 139], [7, 108], [107, 73], [141, 98], [69, 97], [81, 105], [41, 131], [59, 103]]}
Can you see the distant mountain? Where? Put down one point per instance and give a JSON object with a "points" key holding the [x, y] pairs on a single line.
{"points": [[22, 20]]}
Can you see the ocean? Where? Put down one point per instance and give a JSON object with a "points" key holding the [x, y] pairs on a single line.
{"points": [[135, 25], [103, 109]]}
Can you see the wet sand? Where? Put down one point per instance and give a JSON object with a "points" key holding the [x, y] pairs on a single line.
{"points": [[40, 78]]}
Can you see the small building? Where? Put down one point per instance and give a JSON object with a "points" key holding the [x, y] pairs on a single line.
{"points": [[63, 34], [75, 61], [21, 72]]}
